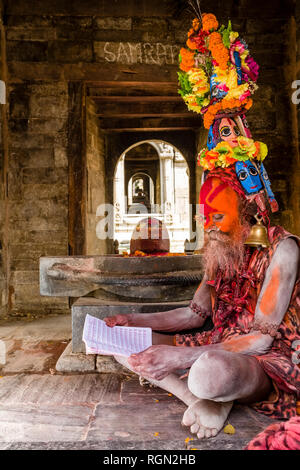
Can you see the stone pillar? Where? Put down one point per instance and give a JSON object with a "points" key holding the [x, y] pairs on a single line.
{"points": [[4, 272], [119, 191], [291, 71], [167, 180]]}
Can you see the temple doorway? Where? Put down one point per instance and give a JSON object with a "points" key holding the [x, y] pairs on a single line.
{"points": [[152, 178]]}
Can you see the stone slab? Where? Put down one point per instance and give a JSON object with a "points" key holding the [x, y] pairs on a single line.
{"points": [[105, 411], [51, 327], [44, 423], [101, 308], [31, 356], [138, 422], [75, 362], [37, 389]]}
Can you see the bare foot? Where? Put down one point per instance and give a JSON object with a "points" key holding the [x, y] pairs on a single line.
{"points": [[206, 418]]}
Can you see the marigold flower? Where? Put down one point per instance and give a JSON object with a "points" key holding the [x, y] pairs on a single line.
{"points": [[218, 51], [245, 143], [196, 24], [187, 59], [191, 44], [209, 22]]}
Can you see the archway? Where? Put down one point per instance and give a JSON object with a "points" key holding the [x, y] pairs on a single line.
{"points": [[166, 169]]}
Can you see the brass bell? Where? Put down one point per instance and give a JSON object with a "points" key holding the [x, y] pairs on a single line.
{"points": [[258, 235]]}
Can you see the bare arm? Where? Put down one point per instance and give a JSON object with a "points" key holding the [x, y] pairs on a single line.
{"points": [[273, 300], [178, 319]]}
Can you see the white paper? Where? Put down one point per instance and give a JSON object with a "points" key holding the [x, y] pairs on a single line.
{"points": [[119, 340]]}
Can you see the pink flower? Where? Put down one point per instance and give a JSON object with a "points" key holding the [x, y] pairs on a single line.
{"points": [[223, 87], [252, 73], [245, 95]]}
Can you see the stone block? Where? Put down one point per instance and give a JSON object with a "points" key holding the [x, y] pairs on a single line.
{"points": [[256, 26], [56, 191], [58, 88], [39, 236], [31, 158], [14, 184], [44, 175], [70, 51], [37, 34], [25, 210], [45, 125], [73, 22], [49, 106], [111, 23], [42, 223], [18, 140], [24, 277], [27, 21], [19, 97], [19, 126], [27, 51], [75, 362]]}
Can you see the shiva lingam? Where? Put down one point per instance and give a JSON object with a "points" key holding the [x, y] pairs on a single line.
{"points": [[146, 280]]}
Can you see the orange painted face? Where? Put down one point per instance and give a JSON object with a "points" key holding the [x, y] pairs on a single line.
{"points": [[220, 205]]}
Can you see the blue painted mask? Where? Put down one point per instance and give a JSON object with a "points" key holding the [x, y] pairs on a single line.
{"points": [[267, 182], [210, 139], [214, 91], [249, 177]]}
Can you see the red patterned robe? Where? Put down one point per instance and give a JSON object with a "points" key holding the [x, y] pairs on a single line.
{"points": [[233, 309]]}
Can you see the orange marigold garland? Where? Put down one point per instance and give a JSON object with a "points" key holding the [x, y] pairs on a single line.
{"points": [[224, 105], [218, 51], [226, 66]]}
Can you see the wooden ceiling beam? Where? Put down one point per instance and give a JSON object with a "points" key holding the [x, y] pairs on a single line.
{"points": [[144, 115], [149, 129], [189, 121], [136, 99]]}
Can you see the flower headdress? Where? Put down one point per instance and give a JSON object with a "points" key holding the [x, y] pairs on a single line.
{"points": [[217, 78], [217, 74]]}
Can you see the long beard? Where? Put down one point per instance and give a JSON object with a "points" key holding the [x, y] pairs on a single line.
{"points": [[224, 252]]}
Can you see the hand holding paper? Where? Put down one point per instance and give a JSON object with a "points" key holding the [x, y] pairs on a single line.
{"points": [[119, 340]]}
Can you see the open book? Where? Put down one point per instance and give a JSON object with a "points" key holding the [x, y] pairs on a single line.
{"points": [[119, 340]]}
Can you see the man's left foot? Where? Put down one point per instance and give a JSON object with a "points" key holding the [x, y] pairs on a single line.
{"points": [[206, 418]]}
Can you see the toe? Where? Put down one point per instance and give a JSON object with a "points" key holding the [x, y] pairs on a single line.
{"points": [[201, 433], [214, 432], [188, 418], [195, 428], [207, 433]]}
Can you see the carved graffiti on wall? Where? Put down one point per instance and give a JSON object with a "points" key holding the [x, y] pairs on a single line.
{"points": [[139, 53]]}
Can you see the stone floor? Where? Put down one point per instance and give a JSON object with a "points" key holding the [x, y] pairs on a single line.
{"points": [[41, 408]]}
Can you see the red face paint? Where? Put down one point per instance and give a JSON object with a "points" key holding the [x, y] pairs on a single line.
{"points": [[217, 197]]}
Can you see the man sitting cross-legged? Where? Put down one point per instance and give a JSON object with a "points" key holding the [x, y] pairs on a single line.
{"points": [[253, 298]]}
